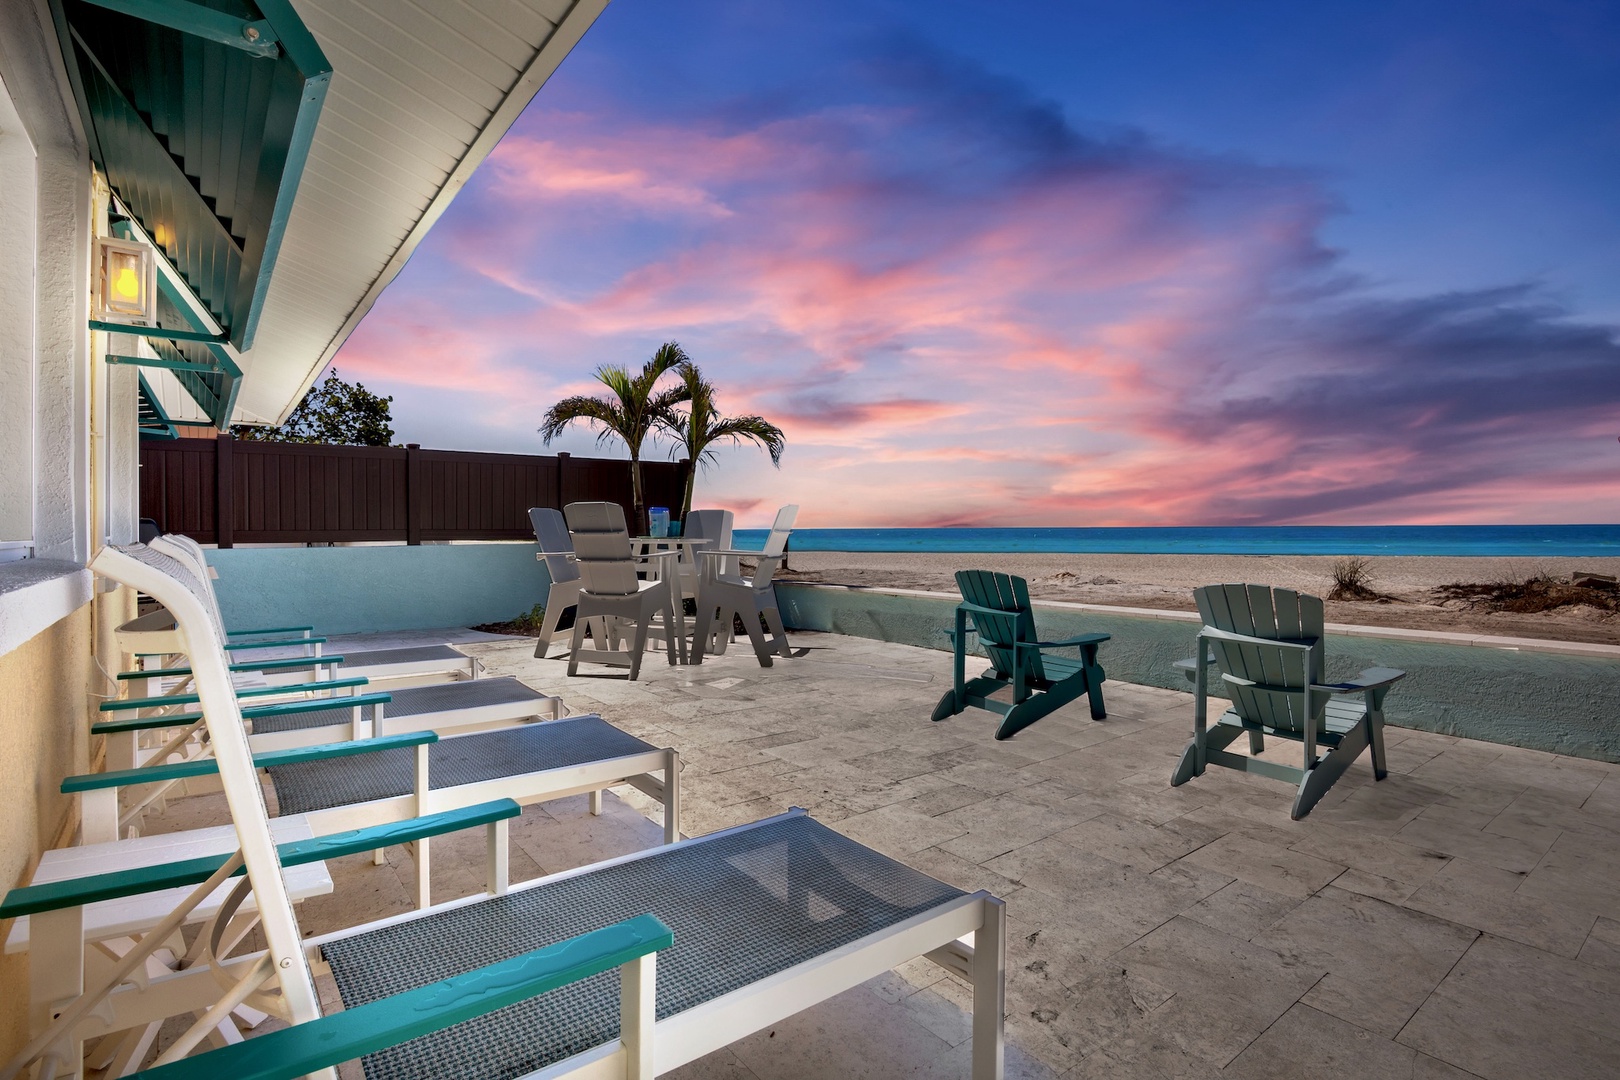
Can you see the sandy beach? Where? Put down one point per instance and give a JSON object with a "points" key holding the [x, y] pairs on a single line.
{"points": [[1406, 582]]}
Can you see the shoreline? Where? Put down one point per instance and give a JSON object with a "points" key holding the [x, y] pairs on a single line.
{"points": [[1166, 582]]}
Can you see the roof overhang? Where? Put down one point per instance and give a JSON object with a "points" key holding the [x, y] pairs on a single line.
{"points": [[313, 142]]}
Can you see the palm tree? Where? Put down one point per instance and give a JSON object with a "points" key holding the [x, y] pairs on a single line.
{"points": [[629, 412], [702, 425]]}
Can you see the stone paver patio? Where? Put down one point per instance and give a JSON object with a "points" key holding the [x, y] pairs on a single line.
{"points": [[1458, 919]]}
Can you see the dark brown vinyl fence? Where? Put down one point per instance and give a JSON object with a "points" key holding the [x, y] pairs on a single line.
{"points": [[226, 492]]}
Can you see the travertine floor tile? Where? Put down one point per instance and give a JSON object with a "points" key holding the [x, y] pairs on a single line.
{"points": [[1382, 961], [1508, 1011]]}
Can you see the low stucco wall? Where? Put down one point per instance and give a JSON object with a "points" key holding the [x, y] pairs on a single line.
{"points": [[44, 736], [1565, 704], [356, 590]]}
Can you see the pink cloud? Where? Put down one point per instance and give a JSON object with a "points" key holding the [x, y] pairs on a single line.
{"points": [[1098, 334]]}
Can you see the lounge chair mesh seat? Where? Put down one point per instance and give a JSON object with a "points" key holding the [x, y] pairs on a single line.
{"points": [[411, 654], [466, 759], [416, 701], [737, 903]]}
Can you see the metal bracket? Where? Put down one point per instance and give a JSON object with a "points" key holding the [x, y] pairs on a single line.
{"points": [[251, 36]]}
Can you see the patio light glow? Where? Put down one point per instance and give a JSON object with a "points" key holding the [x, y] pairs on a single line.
{"points": [[126, 281]]}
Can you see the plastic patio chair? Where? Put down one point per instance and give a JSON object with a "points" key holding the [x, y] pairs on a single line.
{"points": [[721, 596], [1267, 645]]}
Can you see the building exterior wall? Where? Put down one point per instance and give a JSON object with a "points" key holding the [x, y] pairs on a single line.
{"points": [[44, 736]]}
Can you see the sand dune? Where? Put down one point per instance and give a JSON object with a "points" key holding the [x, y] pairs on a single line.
{"points": [[1167, 581]]}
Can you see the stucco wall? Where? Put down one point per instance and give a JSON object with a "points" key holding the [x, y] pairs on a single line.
{"points": [[44, 736], [1544, 701], [360, 589]]}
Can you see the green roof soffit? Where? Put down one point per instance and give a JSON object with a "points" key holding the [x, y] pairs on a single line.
{"points": [[201, 116]]}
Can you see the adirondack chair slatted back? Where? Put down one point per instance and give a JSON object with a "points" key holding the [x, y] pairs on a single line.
{"points": [[173, 584], [1279, 675], [551, 532], [602, 548], [781, 529], [711, 525], [997, 633]]}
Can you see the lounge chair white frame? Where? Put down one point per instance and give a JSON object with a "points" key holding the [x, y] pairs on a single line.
{"points": [[722, 595], [281, 977], [414, 665]]}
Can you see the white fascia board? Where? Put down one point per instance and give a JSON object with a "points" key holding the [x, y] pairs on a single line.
{"points": [[568, 33]]}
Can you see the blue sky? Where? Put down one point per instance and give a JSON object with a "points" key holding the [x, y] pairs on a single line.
{"points": [[1061, 263]]}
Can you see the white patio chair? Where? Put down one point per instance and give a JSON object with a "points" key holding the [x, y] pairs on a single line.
{"points": [[609, 588], [721, 595], [557, 552], [711, 525], [808, 914]]}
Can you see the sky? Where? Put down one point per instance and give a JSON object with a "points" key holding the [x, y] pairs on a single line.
{"points": [[1050, 264]]}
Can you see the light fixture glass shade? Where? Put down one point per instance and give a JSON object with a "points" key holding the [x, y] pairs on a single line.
{"points": [[126, 281]]}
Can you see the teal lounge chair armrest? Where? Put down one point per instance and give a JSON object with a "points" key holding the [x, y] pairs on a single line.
{"points": [[271, 630], [1209, 633], [282, 708], [1083, 639], [1372, 679], [73, 892], [125, 704], [293, 662], [181, 770], [365, 1029], [273, 644]]}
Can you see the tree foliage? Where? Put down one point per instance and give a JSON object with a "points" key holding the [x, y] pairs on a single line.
{"points": [[701, 426], [630, 411], [333, 411]]}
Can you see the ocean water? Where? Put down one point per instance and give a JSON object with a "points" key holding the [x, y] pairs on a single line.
{"points": [[1573, 541]]}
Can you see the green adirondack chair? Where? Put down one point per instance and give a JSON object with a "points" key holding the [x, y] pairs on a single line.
{"points": [[1267, 646], [1041, 683]]}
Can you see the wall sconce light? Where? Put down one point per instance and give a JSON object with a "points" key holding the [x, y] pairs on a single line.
{"points": [[126, 281]]}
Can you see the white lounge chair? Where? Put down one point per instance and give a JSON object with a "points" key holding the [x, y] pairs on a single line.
{"points": [[768, 919], [153, 635], [610, 588], [557, 552], [722, 595]]}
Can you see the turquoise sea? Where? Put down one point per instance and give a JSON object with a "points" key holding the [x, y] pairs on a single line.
{"points": [[1574, 541]]}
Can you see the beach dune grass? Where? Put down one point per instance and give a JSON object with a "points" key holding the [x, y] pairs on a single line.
{"points": [[1533, 593]]}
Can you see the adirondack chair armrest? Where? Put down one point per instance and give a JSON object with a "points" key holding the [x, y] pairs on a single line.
{"points": [[1372, 679], [1209, 633], [75, 892], [731, 551], [1083, 639], [330, 1040], [1189, 666], [978, 609], [271, 630]]}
